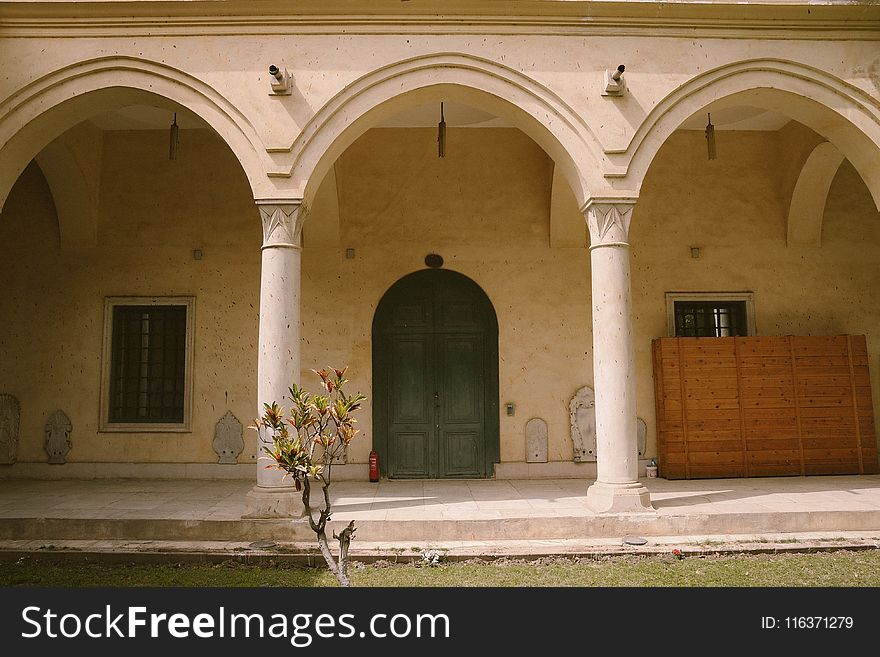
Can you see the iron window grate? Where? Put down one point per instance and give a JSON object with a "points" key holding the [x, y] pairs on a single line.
{"points": [[148, 364], [715, 319]]}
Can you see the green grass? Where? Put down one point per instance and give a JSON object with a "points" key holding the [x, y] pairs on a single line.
{"points": [[839, 568]]}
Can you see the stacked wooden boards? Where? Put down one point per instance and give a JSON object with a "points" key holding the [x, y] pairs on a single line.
{"points": [[761, 406]]}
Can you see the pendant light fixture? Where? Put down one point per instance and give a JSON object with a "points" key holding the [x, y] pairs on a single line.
{"points": [[175, 139], [710, 138], [441, 134]]}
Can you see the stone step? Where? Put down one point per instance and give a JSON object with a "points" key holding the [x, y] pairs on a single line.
{"points": [[438, 529]]}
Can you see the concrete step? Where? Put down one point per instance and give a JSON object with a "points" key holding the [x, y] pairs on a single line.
{"points": [[306, 554], [439, 529]]}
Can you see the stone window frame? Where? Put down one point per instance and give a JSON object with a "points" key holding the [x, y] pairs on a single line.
{"points": [[747, 297], [104, 423]]}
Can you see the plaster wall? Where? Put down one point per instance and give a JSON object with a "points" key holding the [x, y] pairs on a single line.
{"points": [[734, 209], [153, 214], [485, 208], [567, 65]]}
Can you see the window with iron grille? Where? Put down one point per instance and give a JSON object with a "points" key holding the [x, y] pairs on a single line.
{"points": [[717, 320], [147, 364], [715, 315]]}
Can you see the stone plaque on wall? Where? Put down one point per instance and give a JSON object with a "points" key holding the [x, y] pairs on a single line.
{"points": [[536, 441], [642, 436], [228, 441], [10, 415], [58, 429], [582, 413]]}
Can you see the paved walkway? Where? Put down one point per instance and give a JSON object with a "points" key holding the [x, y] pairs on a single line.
{"points": [[432, 500], [467, 517]]}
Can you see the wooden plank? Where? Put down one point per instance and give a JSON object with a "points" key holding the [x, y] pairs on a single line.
{"points": [[775, 470], [696, 406], [765, 392], [786, 432], [716, 472], [699, 446], [833, 364], [855, 407], [713, 393], [715, 458], [826, 411], [684, 416], [797, 407], [771, 414], [829, 442], [776, 456], [784, 399], [659, 397]]}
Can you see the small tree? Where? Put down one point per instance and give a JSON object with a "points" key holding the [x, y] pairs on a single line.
{"points": [[307, 444]]}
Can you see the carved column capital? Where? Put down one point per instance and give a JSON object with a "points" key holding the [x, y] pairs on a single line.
{"points": [[608, 221], [282, 223]]}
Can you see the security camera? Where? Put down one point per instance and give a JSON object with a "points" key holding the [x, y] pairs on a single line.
{"points": [[280, 80], [615, 84]]}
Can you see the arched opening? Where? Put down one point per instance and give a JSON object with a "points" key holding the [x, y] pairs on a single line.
{"points": [[435, 378], [713, 246], [49, 106], [105, 228], [839, 112], [498, 211], [465, 79]]}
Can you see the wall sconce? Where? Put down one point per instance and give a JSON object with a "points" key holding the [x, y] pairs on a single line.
{"points": [[710, 138], [441, 134], [615, 84], [280, 81], [174, 140]]}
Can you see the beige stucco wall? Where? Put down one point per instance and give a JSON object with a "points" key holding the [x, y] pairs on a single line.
{"points": [[485, 208], [562, 61], [735, 209], [153, 214]]}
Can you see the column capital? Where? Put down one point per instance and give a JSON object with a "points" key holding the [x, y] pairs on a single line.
{"points": [[608, 220], [282, 222]]}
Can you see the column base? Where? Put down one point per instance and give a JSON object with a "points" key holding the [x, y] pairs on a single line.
{"points": [[274, 502], [619, 498]]}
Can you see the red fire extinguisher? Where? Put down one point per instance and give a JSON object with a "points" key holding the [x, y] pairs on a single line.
{"points": [[374, 466]]}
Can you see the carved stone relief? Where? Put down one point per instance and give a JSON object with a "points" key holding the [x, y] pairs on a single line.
{"points": [[582, 413], [10, 414], [536, 441], [642, 436], [228, 440], [58, 429]]}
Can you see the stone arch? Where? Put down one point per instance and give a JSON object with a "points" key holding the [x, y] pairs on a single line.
{"points": [[36, 114], [810, 193], [845, 115], [530, 106]]}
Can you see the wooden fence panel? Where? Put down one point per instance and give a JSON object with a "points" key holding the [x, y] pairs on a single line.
{"points": [[763, 406]]}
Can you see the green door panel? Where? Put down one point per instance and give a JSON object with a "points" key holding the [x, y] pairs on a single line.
{"points": [[411, 421], [435, 378]]}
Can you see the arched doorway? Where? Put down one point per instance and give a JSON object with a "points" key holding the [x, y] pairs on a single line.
{"points": [[435, 378]]}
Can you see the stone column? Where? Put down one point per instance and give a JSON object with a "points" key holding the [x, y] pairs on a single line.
{"points": [[278, 363], [617, 488]]}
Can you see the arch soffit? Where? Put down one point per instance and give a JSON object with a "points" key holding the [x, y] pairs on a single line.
{"points": [[810, 194], [530, 106], [844, 114], [46, 107]]}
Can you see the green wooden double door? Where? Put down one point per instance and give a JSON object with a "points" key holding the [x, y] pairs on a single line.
{"points": [[435, 378]]}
